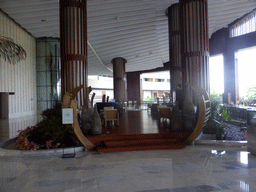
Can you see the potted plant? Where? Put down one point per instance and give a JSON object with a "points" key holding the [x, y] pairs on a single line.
{"points": [[215, 124]]}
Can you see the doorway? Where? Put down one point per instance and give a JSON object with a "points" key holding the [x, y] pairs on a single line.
{"points": [[4, 105]]}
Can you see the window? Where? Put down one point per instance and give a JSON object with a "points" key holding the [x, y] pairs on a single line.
{"points": [[148, 79], [246, 25], [246, 73], [216, 74], [159, 80]]}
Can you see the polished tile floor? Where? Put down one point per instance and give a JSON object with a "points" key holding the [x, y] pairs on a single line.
{"points": [[138, 122], [9, 127], [193, 169]]}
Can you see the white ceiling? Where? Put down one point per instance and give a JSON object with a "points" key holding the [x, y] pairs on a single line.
{"points": [[134, 29]]}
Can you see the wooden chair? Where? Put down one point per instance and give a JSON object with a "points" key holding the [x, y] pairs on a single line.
{"points": [[164, 112], [149, 107], [108, 108], [111, 115]]}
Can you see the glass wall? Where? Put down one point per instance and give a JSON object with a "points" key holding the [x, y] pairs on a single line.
{"points": [[246, 75], [48, 71], [246, 25]]}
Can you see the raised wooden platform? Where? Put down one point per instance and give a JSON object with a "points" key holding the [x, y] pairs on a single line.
{"points": [[138, 130], [138, 133], [134, 142]]}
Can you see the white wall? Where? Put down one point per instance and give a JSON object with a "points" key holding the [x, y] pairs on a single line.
{"points": [[100, 82], [146, 94], [156, 86], [21, 77], [101, 85]]}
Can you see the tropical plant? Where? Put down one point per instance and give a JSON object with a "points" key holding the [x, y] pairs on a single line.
{"points": [[148, 99], [251, 93], [215, 124], [11, 51], [48, 133]]}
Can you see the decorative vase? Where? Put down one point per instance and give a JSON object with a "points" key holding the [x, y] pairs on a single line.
{"points": [[96, 122], [188, 113], [176, 120], [87, 113]]}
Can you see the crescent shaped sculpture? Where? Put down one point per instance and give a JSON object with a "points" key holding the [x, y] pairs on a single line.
{"points": [[203, 101], [68, 102], [202, 98]]}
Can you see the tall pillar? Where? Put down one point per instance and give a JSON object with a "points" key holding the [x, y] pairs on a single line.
{"points": [[73, 35], [119, 78], [173, 14], [230, 80], [195, 43], [133, 87]]}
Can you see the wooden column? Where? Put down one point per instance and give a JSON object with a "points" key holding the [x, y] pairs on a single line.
{"points": [[173, 14], [119, 78], [73, 35], [195, 43], [133, 87]]}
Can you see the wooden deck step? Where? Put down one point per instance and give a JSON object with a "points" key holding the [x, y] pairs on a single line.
{"points": [[139, 142], [134, 142], [139, 147], [115, 137]]}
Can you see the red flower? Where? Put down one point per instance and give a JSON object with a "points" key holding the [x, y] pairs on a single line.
{"points": [[48, 144]]}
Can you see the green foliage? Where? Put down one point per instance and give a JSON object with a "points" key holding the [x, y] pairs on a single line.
{"points": [[215, 124], [51, 129], [251, 93], [54, 112], [148, 99], [216, 98], [48, 133]]}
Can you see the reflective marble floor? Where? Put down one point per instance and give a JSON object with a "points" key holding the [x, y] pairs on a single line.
{"points": [[193, 169]]}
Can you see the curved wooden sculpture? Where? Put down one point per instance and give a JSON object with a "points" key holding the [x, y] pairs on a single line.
{"points": [[203, 100], [204, 111], [68, 102]]}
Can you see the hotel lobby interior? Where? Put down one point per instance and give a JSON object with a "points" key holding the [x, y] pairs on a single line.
{"points": [[146, 148]]}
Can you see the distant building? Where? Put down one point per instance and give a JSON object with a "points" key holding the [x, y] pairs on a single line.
{"points": [[155, 84]]}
